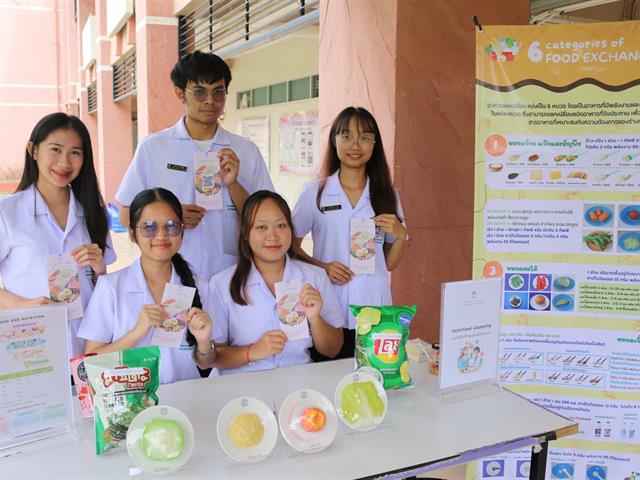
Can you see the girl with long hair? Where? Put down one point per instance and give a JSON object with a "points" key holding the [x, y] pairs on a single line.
{"points": [[56, 209], [355, 183], [126, 305], [247, 331]]}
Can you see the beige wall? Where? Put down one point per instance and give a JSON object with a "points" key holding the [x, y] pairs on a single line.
{"points": [[286, 59]]}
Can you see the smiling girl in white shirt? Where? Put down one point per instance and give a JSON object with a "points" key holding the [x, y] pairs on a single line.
{"points": [[57, 208], [247, 328], [355, 183], [126, 305]]}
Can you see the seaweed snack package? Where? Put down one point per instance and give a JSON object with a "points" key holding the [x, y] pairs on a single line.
{"points": [[381, 339], [123, 384]]}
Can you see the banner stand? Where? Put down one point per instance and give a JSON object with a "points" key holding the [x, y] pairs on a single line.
{"points": [[468, 392], [38, 442]]}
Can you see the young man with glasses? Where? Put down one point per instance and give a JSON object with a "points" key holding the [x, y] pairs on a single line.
{"points": [[166, 159]]}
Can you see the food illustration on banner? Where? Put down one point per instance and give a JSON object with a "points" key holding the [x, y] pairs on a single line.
{"points": [[598, 215], [598, 240]]}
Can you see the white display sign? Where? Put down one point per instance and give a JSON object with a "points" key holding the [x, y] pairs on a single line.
{"points": [[35, 385], [469, 333]]}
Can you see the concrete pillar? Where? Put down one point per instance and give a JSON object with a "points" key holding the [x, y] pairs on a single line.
{"points": [[156, 54], [86, 8], [115, 143], [411, 62]]}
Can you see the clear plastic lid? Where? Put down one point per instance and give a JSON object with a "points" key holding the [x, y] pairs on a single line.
{"points": [[308, 421], [361, 401], [160, 439], [247, 430]]}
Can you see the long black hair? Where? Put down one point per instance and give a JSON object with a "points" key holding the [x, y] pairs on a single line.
{"points": [[245, 254], [182, 268], [383, 198], [84, 186]]}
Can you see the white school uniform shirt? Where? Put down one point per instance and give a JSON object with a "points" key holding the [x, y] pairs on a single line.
{"points": [[114, 310], [29, 233], [238, 325], [331, 236], [165, 159]]}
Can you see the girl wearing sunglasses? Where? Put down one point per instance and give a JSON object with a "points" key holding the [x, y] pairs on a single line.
{"points": [[126, 306], [355, 183], [56, 209], [247, 332]]}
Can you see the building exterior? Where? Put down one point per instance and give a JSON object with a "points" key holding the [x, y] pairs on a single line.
{"points": [[296, 63]]}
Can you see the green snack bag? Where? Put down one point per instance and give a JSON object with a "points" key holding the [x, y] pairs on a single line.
{"points": [[381, 339], [123, 384]]}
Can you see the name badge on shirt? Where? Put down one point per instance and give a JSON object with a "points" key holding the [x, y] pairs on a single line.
{"points": [[328, 208], [179, 168]]}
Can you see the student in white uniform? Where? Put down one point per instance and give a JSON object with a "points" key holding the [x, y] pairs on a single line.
{"points": [[126, 305], [355, 183], [165, 159], [57, 208], [247, 329]]}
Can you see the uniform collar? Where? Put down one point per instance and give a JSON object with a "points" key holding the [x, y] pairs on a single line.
{"points": [[220, 138], [334, 187], [291, 271], [135, 282], [37, 206]]}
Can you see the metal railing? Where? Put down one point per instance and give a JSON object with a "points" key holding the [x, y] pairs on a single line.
{"points": [[228, 27], [92, 98], [124, 76]]}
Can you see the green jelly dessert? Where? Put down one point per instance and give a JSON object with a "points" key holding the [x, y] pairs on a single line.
{"points": [[162, 440], [360, 402]]}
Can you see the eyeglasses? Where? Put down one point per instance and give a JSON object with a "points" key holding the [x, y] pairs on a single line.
{"points": [[201, 94], [365, 140], [150, 228]]}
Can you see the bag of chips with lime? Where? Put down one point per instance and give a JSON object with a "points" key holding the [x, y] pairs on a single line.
{"points": [[123, 384], [381, 339]]}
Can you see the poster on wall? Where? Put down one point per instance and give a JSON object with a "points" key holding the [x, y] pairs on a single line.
{"points": [[299, 143], [557, 217], [256, 129]]}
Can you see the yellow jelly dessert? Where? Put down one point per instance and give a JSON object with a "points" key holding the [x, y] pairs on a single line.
{"points": [[246, 430]]}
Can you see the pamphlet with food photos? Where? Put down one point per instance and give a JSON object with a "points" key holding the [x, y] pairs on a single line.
{"points": [[64, 283], [208, 182], [362, 246], [176, 300], [293, 320]]}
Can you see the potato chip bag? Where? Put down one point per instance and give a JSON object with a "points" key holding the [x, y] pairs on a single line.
{"points": [[381, 339], [123, 384]]}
